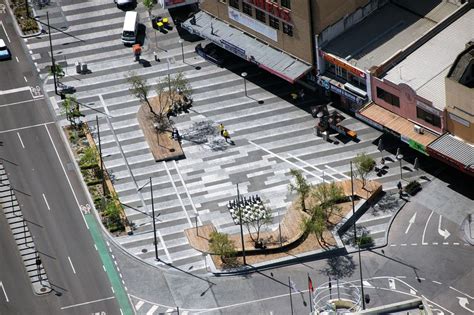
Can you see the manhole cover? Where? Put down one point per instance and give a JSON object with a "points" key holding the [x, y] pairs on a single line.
{"points": [[43, 289], [144, 250]]}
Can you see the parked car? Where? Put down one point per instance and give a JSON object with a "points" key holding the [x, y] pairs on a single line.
{"points": [[213, 53], [4, 51], [126, 4], [65, 89]]}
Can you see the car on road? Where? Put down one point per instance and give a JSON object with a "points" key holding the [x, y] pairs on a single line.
{"points": [[126, 4], [4, 51], [213, 53]]}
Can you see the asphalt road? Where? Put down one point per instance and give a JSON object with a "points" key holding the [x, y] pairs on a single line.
{"points": [[50, 195]]}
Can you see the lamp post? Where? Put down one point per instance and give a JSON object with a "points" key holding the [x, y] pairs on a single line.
{"points": [[181, 42], [155, 243], [53, 65], [244, 75], [355, 242], [400, 158], [241, 229]]}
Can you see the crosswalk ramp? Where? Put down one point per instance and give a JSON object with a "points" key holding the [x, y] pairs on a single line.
{"points": [[271, 135], [22, 236]]}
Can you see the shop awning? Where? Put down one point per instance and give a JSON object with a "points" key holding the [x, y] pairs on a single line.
{"points": [[246, 47], [454, 150]]}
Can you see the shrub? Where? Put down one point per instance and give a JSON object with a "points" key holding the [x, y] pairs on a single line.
{"points": [[220, 244], [413, 187], [365, 241]]}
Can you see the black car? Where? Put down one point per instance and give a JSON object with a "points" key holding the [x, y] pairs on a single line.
{"points": [[213, 53]]}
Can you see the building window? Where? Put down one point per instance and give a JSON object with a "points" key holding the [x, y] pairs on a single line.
{"points": [[274, 22], [388, 97], [430, 118], [235, 4], [247, 8], [286, 4], [287, 29], [260, 15]]}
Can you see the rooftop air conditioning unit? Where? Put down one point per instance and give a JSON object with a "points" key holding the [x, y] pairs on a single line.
{"points": [[418, 129]]}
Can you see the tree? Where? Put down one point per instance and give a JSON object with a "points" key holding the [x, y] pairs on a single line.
{"points": [[364, 164], [140, 89], [56, 70], [70, 106], [315, 224], [258, 216], [301, 186], [328, 195], [149, 4], [220, 244]]}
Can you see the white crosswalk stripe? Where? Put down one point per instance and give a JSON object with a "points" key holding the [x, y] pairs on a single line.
{"points": [[275, 126]]}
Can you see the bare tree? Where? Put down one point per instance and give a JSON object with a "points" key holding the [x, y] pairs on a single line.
{"points": [[301, 186], [364, 164], [328, 195], [140, 89], [256, 217]]}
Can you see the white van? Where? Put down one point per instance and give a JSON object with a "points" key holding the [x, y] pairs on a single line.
{"points": [[130, 27]]}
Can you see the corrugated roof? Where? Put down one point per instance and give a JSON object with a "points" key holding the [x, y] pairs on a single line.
{"points": [[453, 148], [425, 69], [287, 66]]}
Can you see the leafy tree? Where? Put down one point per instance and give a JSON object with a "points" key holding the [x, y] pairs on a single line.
{"points": [[328, 195], [149, 4], [301, 186], [180, 86], [140, 89], [70, 106], [315, 224], [220, 244], [56, 70], [364, 164]]}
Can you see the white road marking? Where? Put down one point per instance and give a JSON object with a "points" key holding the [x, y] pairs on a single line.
{"points": [[424, 230], [104, 268], [46, 202], [26, 127], [20, 89], [444, 233], [72, 266], [393, 245], [414, 244], [67, 177], [113, 291], [367, 284], [462, 293], [455, 243], [21, 141], [435, 243], [445, 243], [410, 222], [403, 244], [25, 79], [412, 292], [85, 303], [437, 282], [4, 292], [177, 194], [16, 103], [391, 283], [152, 310], [95, 246], [6, 34], [138, 305], [17, 59], [185, 188], [336, 171]]}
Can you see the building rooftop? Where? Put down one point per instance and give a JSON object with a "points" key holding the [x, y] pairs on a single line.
{"points": [[425, 69], [462, 65], [387, 30]]}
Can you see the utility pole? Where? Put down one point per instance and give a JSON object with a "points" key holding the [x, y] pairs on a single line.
{"points": [[355, 241], [100, 158], [154, 223], [53, 65], [241, 229]]}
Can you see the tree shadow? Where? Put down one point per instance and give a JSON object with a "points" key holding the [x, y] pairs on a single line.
{"points": [[339, 267]]}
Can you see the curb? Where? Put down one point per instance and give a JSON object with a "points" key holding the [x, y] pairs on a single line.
{"points": [[17, 27]]}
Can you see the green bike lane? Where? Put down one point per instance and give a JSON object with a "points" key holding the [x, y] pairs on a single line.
{"points": [[112, 274]]}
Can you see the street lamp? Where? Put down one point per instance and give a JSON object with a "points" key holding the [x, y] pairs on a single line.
{"points": [[400, 158], [241, 229], [53, 65], [155, 243], [244, 75], [180, 41]]}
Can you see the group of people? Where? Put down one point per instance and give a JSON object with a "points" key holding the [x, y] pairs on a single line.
{"points": [[224, 133]]}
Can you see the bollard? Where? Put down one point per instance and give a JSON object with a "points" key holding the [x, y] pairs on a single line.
{"points": [[84, 68], [78, 67]]}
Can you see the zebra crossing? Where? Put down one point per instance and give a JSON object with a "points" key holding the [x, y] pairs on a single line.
{"points": [[143, 307], [22, 236], [271, 135]]}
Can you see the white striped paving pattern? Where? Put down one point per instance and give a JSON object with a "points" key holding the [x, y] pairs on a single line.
{"points": [[271, 138]]}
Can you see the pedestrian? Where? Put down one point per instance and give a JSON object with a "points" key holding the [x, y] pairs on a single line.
{"points": [[226, 135], [221, 129]]}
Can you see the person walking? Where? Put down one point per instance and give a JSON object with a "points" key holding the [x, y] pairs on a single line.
{"points": [[221, 129], [226, 135]]}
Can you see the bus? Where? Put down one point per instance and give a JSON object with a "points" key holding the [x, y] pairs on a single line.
{"points": [[130, 27]]}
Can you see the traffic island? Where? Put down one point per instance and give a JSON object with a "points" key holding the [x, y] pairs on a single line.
{"points": [[162, 145], [291, 242]]}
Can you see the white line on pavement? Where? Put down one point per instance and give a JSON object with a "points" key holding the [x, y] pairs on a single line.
{"points": [[424, 230], [67, 177], [16, 103], [21, 141], [46, 202], [25, 79], [462, 293], [437, 282], [26, 127], [5, 32], [177, 193], [72, 266], [113, 291], [17, 60], [4, 292], [20, 89], [85, 303], [340, 173], [152, 310], [185, 188]]}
